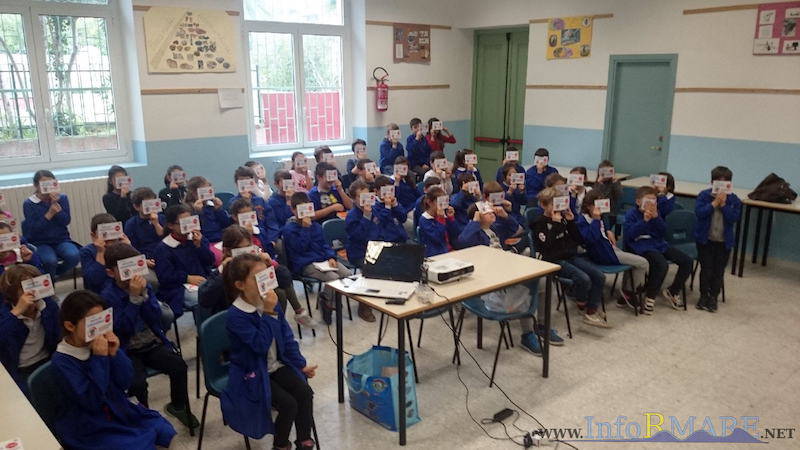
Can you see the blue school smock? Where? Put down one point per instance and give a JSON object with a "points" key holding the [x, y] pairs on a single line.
{"points": [[325, 199], [499, 175], [418, 151], [40, 231], [731, 213], [407, 195], [211, 294], [390, 222], [419, 208], [435, 236], [14, 332], [640, 236], [305, 245], [595, 240], [458, 171], [94, 273], [461, 201], [388, 155], [247, 399], [174, 262], [130, 318], [142, 234], [280, 208], [267, 223], [534, 181], [473, 234], [360, 230], [213, 222], [517, 199], [665, 204], [97, 414]]}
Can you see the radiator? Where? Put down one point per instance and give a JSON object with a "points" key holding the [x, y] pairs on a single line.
{"points": [[85, 200]]}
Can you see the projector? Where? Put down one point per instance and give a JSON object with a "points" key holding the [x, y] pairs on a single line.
{"points": [[447, 270]]}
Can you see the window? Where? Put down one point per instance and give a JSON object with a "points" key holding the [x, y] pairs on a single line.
{"points": [[58, 104], [297, 57]]}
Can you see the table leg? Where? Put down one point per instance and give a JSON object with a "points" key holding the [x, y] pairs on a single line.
{"points": [[758, 234], [548, 293], [767, 236], [339, 346], [736, 243], [745, 232], [401, 371], [456, 354]]}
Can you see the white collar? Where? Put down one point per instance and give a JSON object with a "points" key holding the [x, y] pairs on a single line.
{"points": [[35, 198], [669, 195], [171, 241], [427, 215], [243, 305], [588, 218], [81, 353]]}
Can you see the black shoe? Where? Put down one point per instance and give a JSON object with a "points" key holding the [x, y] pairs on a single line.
{"points": [[702, 303], [327, 306], [711, 306]]}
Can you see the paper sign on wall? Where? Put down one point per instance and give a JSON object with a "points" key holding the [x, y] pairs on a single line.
{"points": [[412, 43], [569, 37], [777, 29]]}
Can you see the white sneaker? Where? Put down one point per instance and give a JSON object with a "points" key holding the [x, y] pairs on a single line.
{"points": [[649, 306], [302, 317], [673, 301], [595, 320]]}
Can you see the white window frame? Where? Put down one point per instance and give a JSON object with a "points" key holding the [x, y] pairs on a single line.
{"points": [[297, 30], [31, 10]]}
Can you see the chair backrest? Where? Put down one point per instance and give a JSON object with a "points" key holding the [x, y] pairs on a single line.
{"points": [[214, 344], [531, 213], [333, 230], [680, 226], [200, 315], [628, 198], [46, 396]]}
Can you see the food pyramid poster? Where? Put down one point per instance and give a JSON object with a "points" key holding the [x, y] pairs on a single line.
{"points": [[180, 40]]}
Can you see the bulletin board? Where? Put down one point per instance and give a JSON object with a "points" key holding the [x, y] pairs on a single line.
{"points": [[777, 29], [411, 43], [569, 37]]}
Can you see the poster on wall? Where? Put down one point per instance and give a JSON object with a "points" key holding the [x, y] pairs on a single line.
{"points": [[412, 43], [569, 37], [181, 40], [777, 29]]}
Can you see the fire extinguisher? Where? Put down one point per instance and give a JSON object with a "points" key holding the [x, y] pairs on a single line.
{"points": [[381, 90]]}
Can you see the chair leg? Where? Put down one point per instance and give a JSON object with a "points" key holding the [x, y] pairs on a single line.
{"points": [[685, 298], [419, 336], [380, 328], [457, 336], [480, 332], [613, 286], [456, 353], [694, 271], [558, 296], [562, 297], [246, 442], [189, 411], [503, 337], [203, 421], [723, 288], [197, 366], [497, 353], [75, 278], [349, 311], [308, 302], [299, 332], [510, 337], [177, 337], [314, 431], [411, 347]]}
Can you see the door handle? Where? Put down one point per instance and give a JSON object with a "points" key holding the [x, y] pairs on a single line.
{"points": [[655, 147]]}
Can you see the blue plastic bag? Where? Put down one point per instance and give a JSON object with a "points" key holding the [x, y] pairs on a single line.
{"points": [[376, 396]]}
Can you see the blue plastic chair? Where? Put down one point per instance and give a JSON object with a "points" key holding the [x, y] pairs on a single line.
{"points": [[46, 396], [336, 236], [616, 270], [226, 198], [200, 315], [626, 202]]}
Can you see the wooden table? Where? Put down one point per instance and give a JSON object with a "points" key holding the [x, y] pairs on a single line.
{"points": [[494, 269], [20, 420]]}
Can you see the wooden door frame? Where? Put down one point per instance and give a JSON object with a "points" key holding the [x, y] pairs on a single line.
{"points": [[474, 89], [613, 65]]}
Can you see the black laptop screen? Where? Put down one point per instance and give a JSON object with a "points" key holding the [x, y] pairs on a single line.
{"points": [[398, 262]]}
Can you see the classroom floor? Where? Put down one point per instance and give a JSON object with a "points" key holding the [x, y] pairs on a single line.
{"points": [[741, 361]]}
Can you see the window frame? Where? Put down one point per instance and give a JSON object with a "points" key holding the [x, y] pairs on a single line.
{"points": [[31, 12], [297, 31]]}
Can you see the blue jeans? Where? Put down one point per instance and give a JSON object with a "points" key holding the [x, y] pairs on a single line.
{"points": [[587, 278], [66, 251]]}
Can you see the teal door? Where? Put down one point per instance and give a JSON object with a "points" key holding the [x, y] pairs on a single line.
{"points": [[498, 100], [639, 112]]}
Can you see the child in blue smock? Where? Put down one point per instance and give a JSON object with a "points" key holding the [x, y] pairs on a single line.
{"points": [[438, 230], [93, 255], [213, 217]]}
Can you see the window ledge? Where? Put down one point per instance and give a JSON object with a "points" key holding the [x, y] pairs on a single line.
{"points": [[70, 173], [338, 150]]}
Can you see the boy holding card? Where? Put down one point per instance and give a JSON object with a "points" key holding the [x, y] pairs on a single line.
{"points": [[137, 324], [440, 168], [267, 220], [174, 186], [664, 183], [577, 189], [309, 253], [390, 214], [511, 158], [405, 187], [47, 216], [146, 229], [359, 148], [438, 135], [645, 230], [468, 193], [105, 230], [93, 376], [536, 175], [438, 230], [419, 206], [201, 198], [609, 187], [29, 330], [328, 196], [366, 170], [417, 149], [279, 201], [262, 185], [390, 148], [301, 175], [117, 199], [714, 235], [466, 161], [13, 250], [362, 225], [495, 195], [557, 239], [183, 260]]}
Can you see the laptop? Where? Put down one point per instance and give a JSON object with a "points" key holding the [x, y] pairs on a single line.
{"points": [[389, 271]]}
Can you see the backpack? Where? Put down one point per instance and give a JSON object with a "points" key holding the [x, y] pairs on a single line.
{"points": [[773, 189]]}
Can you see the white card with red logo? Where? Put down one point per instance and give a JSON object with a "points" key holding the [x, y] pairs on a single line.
{"points": [[99, 324], [603, 204], [497, 198], [387, 191], [301, 162], [436, 126], [328, 158], [9, 241], [470, 158], [123, 182], [473, 187], [518, 178], [440, 164], [178, 176], [562, 189], [647, 202], [152, 206], [305, 210], [442, 202], [606, 172], [205, 193], [394, 134], [575, 179], [561, 203], [109, 231], [721, 187], [484, 207], [13, 444], [541, 160], [366, 199], [189, 224], [658, 180], [361, 151], [400, 170], [331, 175], [287, 185], [130, 267], [260, 171], [40, 287], [512, 155], [246, 185], [48, 186], [372, 168], [266, 280], [249, 250], [249, 221]]}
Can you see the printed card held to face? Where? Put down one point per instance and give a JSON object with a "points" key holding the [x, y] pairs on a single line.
{"points": [[575, 179], [603, 204], [178, 176], [48, 186], [562, 189], [484, 207], [470, 158], [205, 193], [260, 171], [109, 231], [40, 287], [518, 178], [400, 170], [561, 203], [287, 185], [9, 242], [189, 224], [331, 175], [606, 172], [361, 151], [658, 180], [123, 182], [387, 191], [394, 135], [246, 185], [152, 206], [366, 199], [372, 168], [473, 187], [512, 155], [328, 158], [541, 160], [437, 126], [99, 324], [721, 187], [497, 198], [440, 164], [130, 267], [442, 202], [15, 444], [300, 162], [249, 250], [305, 210], [648, 202], [248, 221], [266, 280]]}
